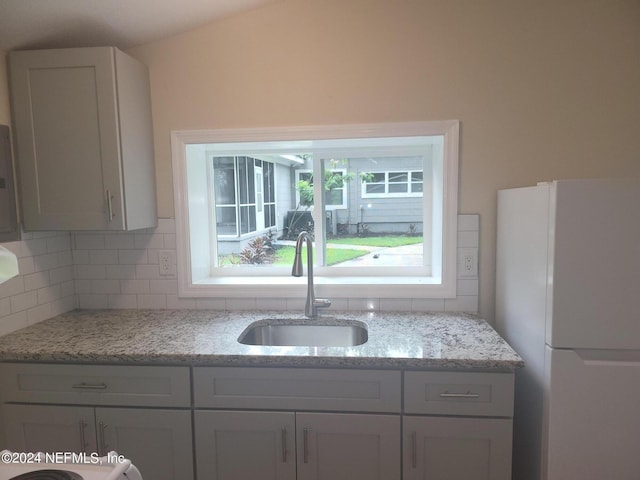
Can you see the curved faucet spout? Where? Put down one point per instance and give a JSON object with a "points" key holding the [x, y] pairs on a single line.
{"points": [[313, 303]]}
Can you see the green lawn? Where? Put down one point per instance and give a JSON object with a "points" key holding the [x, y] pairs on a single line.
{"points": [[284, 255], [384, 241]]}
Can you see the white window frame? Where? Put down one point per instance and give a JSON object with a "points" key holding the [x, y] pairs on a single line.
{"points": [[195, 278]]}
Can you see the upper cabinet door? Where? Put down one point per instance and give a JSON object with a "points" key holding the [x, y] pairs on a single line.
{"points": [[69, 140]]}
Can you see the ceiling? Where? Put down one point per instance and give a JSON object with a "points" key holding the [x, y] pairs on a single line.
{"points": [[31, 24]]}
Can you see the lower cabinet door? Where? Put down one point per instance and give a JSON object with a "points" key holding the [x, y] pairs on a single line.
{"points": [[348, 446], [158, 442], [444, 448], [233, 445], [50, 429]]}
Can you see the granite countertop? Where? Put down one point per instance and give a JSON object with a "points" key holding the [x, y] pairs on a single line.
{"points": [[197, 337]]}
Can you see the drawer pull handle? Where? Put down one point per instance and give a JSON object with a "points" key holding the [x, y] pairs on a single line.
{"points": [[103, 445], [446, 394], [305, 445], [284, 445], [89, 386], [110, 205]]}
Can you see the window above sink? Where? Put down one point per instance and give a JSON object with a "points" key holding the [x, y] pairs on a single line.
{"points": [[384, 216]]}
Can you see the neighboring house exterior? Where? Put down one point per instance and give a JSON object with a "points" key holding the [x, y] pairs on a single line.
{"points": [[257, 194]]}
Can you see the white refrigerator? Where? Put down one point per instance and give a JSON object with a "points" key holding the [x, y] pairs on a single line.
{"points": [[568, 301]]}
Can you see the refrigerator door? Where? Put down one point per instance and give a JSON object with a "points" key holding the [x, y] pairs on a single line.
{"points": [[592, 420], [594, 265]]}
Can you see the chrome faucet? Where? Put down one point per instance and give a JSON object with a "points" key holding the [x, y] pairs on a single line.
{"points": [[313, 303]]}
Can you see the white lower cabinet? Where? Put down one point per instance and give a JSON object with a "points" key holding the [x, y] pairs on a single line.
{"points": [[239, 445], [445, 448], [158, 439]]}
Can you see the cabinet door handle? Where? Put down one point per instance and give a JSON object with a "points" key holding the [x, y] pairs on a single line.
{"points": [[305, 445], [103, 446], [284, 445], [83, 440], [414, 450], [469, 394], [110, 204], [89, 386]]}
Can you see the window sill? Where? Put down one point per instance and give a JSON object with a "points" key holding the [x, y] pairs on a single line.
{"points": [[332, 287]]}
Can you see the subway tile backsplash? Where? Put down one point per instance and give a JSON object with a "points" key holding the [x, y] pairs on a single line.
{"points": [[63, 271]]}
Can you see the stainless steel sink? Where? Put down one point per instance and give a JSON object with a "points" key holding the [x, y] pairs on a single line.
{"points": [[288, 333]]}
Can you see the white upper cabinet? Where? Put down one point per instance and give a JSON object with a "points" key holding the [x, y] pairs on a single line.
{"points": [[84, 139]]}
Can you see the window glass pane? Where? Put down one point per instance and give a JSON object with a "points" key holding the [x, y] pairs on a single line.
{"points": [[224, 180], [398, 188], [398, 176], [375, 188]]}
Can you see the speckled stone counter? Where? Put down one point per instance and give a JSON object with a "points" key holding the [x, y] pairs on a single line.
{"points": [[190, 337]]}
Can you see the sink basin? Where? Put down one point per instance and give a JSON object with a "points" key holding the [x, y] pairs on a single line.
{"points": [[312, 334]]}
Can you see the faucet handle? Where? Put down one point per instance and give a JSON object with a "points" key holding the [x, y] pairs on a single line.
{"points": [[321, 302]]}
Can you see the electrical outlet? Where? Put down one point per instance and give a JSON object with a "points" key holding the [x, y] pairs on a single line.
{"points": [[167, 262], [468, 262]]}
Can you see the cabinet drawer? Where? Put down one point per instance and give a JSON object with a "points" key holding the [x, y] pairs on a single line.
{"points": [[459, 393], [297, 389], [96, 385]]}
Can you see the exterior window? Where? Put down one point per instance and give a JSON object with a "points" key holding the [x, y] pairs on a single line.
{"points": [[395, 183], [383, 218]]}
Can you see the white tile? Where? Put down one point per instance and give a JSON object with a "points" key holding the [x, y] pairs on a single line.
{"points": [[121, 272], [90, 272], [148, 271], [469, 222], [59, 243], [211, 303], [39, 313], [103, 257], [92, 301], [46, 261], [105, 286], [271, 304], [48, 294], [132, 257], [13, 322], [145, 240], [166, 225], [468, 239], [26, 265], [88, 241], [395, 304], [298, 304], [80, 257], [168, 287], [65, 258], [24, 301], [463, 303], [122, 301], [170, 241], [67, 288], [37, 280], [63, 305], [5, 307], [82, 286], [34, 247], [364, 304], [152, 301], [135, 286], [427, 305], [467, 287], [241, 304], [62, 274], [173, 302], [119, 242], [13, 286]]}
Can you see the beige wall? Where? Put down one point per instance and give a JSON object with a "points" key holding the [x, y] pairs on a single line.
{"points": [[5, 115], [543, 90]]}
